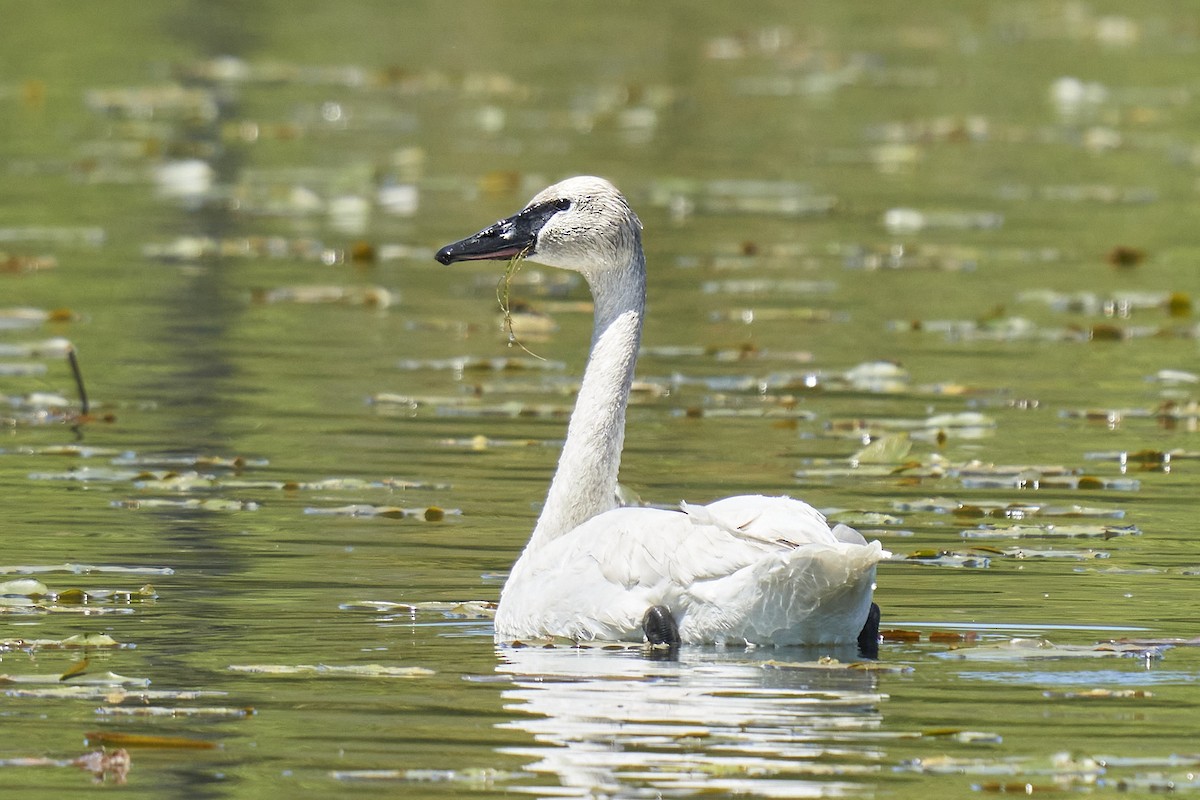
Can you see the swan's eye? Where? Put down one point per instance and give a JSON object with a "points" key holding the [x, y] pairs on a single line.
{"points": [[561, 205]]}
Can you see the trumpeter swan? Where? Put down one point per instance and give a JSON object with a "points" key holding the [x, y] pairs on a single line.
{"points": [[746, 569]]}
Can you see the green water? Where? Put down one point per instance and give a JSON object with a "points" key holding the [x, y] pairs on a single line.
{"points": [[763, 148]]}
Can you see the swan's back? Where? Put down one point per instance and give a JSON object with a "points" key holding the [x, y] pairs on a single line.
{"points": [[763, 570]]}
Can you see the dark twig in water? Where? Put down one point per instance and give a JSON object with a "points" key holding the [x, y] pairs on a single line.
{"points": [[503, 289], [84, 405]]}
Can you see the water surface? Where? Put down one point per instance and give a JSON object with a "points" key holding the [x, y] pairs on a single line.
{"points": [[312, 456]]}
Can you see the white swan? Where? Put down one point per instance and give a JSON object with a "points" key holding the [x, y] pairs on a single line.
{"points": [[747, 569]]}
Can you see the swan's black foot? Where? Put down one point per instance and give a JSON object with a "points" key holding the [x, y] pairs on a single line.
{"points": [[659, 626], [868, 637]]}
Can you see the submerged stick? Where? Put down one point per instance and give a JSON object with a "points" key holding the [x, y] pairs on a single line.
{"points": [[73, 360], [503, 289]]}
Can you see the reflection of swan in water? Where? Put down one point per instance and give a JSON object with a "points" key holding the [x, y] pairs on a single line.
{"points": [[765, 570], [616, 724]]}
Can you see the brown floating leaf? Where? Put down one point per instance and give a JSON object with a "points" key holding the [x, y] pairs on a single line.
{"points": [[1125, 256], [145, 740], [1016, 787], [1179, 304], [1105, 332], [363, 252]]}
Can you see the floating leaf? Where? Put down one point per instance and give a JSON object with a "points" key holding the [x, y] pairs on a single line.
{"points": [[1101, 694], [1017, 787], [91, 679], [84, 640], [73, 450], [369, 296], [827, 663], [345, 670], [429, 514], [1017, 650], [176, 461], [1050, 531], [1036, 478], [1077, 555], [75, 670], [964, 736], [23, 587], [482, 364], [85, 569], [18, 318], [480, 443], [468, 609], [188, 504], [473, 778], [27, 591], [953, 765], [889, 449], [177, 711], [117, 738], [1003, 510], [108, 693], [945, 558]]}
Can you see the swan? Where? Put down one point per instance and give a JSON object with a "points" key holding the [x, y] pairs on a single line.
{"points": [[749, 570]]}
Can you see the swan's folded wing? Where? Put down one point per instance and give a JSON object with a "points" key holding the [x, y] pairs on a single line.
{"points": [[778, 521], [649, 547]]}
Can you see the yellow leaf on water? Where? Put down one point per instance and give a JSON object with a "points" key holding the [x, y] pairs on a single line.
{"points": [[144, 740], [71, 597], [78, 668]]}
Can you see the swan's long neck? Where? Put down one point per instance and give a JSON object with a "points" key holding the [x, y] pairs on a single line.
{"points": [[585, 483]]}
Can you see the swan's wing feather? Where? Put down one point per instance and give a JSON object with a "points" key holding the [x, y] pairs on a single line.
{"points": [[779, 521], [645, 546], [648, 547]]}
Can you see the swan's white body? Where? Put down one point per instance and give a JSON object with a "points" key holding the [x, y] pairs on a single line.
{"points": [[746, 569]]}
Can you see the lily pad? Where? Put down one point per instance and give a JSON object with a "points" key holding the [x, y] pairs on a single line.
{"points": [[85, 679], [332, 670], [429, 513], [1020, 650], [832, 664], [175, 711]]}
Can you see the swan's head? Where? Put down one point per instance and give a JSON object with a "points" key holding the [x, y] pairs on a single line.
{"points": [[582, 224]]}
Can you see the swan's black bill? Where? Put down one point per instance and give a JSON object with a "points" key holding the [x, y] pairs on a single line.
{"points": [[868, 637], [510, 237]]}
